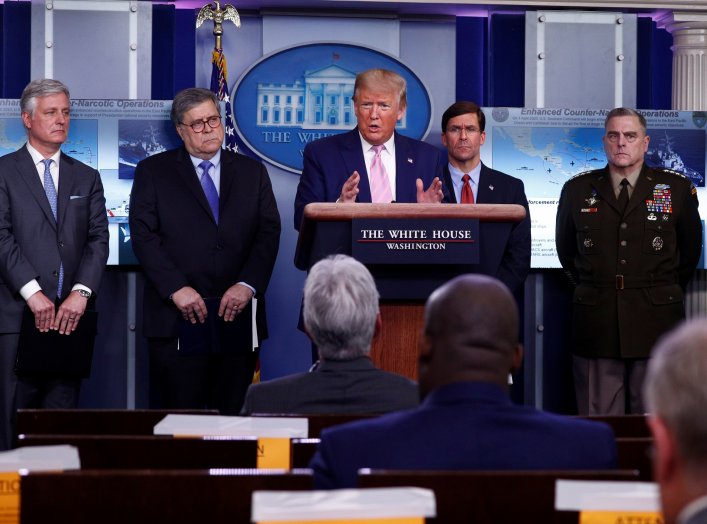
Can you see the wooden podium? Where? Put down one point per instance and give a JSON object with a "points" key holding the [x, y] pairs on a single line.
{"points": [[327, 229]]}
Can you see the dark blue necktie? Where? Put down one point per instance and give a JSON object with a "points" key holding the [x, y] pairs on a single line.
{"points": [[209, 187], [50, 190]]}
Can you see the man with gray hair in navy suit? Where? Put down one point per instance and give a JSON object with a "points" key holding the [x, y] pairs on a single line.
{"points": [[342, 318]]}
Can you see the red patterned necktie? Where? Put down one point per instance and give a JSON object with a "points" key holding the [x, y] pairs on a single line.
{"points": [[380, 185], [467, 194]]}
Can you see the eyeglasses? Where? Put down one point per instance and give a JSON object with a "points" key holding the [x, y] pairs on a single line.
{"points": [[630, 137], [457, 130], [199, 125]]}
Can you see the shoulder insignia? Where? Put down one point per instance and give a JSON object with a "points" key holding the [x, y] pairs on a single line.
{"points": [[664, 171], [576, 179], [583, 173]]}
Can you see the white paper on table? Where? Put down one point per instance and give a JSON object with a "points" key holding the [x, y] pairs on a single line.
{"points": [[619, 495], [217, 425], [40, 458], [273, 506]]}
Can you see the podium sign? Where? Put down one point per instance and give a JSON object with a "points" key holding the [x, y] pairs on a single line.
{"points": [[410, 249], [415, 241]]}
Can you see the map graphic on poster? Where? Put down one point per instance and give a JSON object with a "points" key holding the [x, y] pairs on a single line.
{"points": [[547, 147], [546, 157]]}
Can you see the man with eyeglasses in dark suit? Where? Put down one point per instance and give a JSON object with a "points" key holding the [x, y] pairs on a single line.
{"points": [[205, 228], [629, 237]]}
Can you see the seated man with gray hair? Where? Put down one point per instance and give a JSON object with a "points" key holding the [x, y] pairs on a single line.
{"points": [[675, 392], [341, 316]]}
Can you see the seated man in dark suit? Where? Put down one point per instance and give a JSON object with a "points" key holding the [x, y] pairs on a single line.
{"points": [[341, 316], [675, 394], [466, 420]]}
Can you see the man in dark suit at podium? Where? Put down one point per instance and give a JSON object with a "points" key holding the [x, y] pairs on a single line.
{"points": [[341, 317], [371, 163], [466, 419], [504, 247], [206, 229]]}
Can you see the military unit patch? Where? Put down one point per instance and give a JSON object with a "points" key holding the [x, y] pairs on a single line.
{"points": [[592, 200]]}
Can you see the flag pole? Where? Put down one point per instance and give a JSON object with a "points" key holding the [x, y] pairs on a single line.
{"points": [[219, 71]]}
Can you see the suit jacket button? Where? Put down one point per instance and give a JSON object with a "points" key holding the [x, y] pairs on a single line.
{"points": [[219, 247]]}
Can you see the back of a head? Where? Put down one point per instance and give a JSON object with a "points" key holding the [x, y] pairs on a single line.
{"points": [[675, 390], [340, 307], [471, 333]]}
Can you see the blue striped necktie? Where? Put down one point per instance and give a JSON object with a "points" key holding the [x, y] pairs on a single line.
{"points": [[50, 190]]}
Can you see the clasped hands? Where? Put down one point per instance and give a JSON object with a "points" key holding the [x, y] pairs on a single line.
{"points": [[193, 307], [65, 319], [433, 194]]}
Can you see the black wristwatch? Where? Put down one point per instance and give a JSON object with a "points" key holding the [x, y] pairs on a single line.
{"points": [[83, 293]]}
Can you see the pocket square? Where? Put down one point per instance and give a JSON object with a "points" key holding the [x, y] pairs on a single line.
{"points": [[74, 197]]}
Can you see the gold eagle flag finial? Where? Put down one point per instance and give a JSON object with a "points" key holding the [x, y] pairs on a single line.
{"points": [[213, 11]]}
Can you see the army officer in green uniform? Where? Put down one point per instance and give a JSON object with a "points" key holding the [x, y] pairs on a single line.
{"points": [[629, 236]]}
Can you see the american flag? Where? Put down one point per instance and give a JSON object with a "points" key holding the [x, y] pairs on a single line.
{"points": [[219, 85]]}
